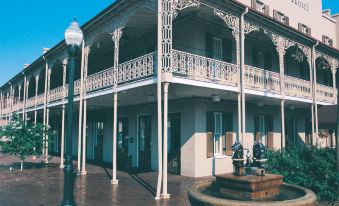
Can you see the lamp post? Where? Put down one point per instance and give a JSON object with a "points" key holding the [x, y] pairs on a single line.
{"points": [[73, 38]]}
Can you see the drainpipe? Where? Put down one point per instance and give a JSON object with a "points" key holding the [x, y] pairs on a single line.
{"points": [[315, 105], [159, 101], [242, 73]]}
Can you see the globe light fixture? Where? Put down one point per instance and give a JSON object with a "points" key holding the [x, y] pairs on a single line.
{"points": [[73, 34], [73, 38]]}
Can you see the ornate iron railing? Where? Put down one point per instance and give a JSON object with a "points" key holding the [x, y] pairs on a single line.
{"points": [[325, 93], [201, 68], [262, 80], [298, 87]]}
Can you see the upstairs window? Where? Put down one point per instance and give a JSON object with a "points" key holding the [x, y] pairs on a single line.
{"points": [[304, 29], [281, 17], [327, 40], [260, 6], [217, 48]]}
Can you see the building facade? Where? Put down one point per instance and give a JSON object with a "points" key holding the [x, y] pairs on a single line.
{"points": [[227, 71]]}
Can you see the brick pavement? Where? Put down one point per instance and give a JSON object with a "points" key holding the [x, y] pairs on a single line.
{"points": [[42, 185]]}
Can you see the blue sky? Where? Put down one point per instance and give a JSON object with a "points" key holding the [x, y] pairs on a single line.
{"points": [[28, 26]]}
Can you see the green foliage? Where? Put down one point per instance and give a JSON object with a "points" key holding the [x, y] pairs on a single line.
{"points": [[21, 138], [310, 167]]}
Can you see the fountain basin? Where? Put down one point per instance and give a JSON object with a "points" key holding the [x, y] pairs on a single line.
{"points": [[290, 195]]}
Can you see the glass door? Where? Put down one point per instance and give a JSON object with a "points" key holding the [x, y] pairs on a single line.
{"points": [[144, 142]]}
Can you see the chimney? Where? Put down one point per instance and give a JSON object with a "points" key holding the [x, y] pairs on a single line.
{"points": [[26, 65], [44, 50], [327, 12]]}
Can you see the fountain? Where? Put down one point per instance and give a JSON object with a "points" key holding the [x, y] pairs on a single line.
{"points": [[250, 185]]}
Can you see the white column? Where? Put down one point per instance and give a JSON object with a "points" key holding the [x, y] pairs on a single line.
{"points": [[281, 52], [19, 88], [159, 98], [47, 111], [165, 194], [115, 110], [35, 99], [283, 141], [242, 70], [24, 97], [64, 67], [80, 109], [313, 65], [25, 103], [116, 39], [84, 132], [334, 84], [45, 105], [1, 102]]}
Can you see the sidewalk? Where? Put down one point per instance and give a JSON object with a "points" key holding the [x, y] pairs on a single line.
{"points": [[42, 185]]}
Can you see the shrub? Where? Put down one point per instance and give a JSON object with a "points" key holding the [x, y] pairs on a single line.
{"points": [[310, 167]]}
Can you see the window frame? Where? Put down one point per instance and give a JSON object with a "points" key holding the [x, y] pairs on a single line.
{"points": [[217, 136]]}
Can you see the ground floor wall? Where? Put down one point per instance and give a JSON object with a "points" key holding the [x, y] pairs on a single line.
{"points": [[138, 133]]}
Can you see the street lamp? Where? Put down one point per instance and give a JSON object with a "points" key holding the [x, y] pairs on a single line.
{"points": [[73, 38]]}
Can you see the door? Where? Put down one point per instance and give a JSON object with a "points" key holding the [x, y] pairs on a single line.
{"points": [[122, 142], [291, 133], [99, 141], [174, 143], [144, 142]]}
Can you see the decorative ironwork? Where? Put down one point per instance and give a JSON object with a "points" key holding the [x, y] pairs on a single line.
{"points": [[250, 27], [325, 93], [179, 5], [298, 88], [298, 56], [166, 27], [262, 80], [204, 69]]}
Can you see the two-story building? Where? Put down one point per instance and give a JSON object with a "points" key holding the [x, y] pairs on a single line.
{"points": [[225, 70]]}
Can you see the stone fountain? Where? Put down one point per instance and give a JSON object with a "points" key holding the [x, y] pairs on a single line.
{"points": [[250, 185]]}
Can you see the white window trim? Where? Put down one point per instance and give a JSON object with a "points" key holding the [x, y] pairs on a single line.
{"points": [[217, 135]]}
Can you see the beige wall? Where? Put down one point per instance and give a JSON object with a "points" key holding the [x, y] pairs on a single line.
{"points": [[336, 17], [311, 16]]}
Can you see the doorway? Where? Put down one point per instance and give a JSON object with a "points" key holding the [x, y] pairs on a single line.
{"points": [[98, 141], [144, 142], [122, 142], [174, 143], [291, 132]]}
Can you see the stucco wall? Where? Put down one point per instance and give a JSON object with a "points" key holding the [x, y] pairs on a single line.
{"points": [[311, 16]]}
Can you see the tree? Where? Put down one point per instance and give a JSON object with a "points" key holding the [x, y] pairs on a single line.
{"points": [[22, 139]]}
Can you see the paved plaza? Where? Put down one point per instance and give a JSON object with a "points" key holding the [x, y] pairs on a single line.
{"points": [[42, 185]]}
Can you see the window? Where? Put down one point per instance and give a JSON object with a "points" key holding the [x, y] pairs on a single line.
{"points": [[260, 6], [328, 41], [261, 59], [277, 15], [262, 129], [217, 48], [304, 29], [218, 133]]}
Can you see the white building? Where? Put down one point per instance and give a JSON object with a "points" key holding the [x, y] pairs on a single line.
{"points": [[263, 82]]}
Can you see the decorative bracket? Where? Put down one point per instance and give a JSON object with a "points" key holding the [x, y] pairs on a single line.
{"points": [[179, 5]]}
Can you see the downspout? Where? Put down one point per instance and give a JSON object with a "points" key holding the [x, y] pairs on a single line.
{"points": [[315, 105], [242, 73]]}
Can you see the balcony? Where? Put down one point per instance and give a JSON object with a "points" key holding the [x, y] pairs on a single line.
{"points": [[191, 67]]}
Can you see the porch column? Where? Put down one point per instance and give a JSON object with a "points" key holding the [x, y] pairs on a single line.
{"points": [[25, 103], [116, 39], [281, 52], [315, 108], [49, 71], [24, 98], [242, 70], [1, 102], [80, 109], [19, 88], [334, 82], [62, 160], [45, 105], [35, 99], [159, 98], [164, 189], [84, 127], [11, 101]]}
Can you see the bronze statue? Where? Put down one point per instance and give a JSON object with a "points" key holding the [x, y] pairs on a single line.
{"points": [[259, 155], [238, 154]]}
